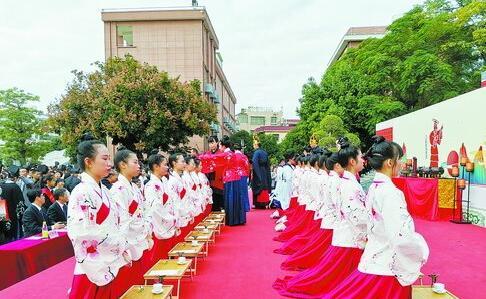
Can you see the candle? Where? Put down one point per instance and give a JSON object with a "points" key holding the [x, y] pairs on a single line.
{"points": [[469, 166], [455, 171], [461, 184]]}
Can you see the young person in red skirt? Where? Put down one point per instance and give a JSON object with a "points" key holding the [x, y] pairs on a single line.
{"points": [[99, 241], [349, 236], [130, 201], [294, 204], [311, 253], [177, 165], [394, 252], [302, 216], [301, 238], [191, 188], [159, 208]]}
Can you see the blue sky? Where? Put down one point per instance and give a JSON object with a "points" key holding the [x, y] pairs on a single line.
{"points": [[269, 47]]}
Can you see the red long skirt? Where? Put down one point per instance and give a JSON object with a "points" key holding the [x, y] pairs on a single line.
{"points": [[311, 254], [83, 288], [336, 265], [369, 286], [296, 226], [299, 241]]}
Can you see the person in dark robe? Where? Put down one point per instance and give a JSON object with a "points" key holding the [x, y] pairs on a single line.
{"points": [[261, 183], [14, 198]]}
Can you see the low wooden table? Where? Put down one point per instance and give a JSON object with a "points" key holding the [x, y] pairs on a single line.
{"points": [[169, 269], [219, 220], [200, 236], [145, 292], [188, 251], [212, 226], [425, 292], [217, 216]]}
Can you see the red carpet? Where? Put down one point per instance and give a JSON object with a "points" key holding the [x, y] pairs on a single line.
{"points": [[242, 264], [457, 255]]}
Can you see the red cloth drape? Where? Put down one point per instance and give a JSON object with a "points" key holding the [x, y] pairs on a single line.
{"points": [[421, 196]]}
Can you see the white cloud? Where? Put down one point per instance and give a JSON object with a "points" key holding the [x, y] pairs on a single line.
{"points": [[270, 47]]}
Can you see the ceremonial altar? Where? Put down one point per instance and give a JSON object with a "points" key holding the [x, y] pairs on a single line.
{"points": [[429, 198]]}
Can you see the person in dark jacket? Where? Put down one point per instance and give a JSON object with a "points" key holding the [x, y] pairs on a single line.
{"points": [[36, 214], [57, 212], [14, 198]]}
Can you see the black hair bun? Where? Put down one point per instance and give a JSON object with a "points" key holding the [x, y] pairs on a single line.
{"points": [[377, 139], [343, 142], [87, 137], [154, 151], [121, 148]]}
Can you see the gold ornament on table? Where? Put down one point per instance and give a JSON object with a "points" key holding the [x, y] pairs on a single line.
{"points": [[256, 140], [313, 140]]}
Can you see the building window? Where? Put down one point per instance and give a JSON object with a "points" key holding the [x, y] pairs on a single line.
{"points": [[257, 120], [243, 118], [124, 36], [273, 120]]}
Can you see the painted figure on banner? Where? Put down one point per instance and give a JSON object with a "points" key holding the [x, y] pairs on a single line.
{"points": [[435, 139]]}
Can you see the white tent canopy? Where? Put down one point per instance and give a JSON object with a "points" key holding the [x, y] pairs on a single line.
{"points": [[55, 156]]}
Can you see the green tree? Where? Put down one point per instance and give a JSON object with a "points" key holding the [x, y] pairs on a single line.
{"points": [[243, 137], [329, 129], [432, 53], [298, 138], [135, 104], [22, 128]]}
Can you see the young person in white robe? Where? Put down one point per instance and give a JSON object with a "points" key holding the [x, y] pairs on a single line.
{"points": [[182, 203], [205, 185], [100, 243], [348, 239], [190, 185], [201, 192], [394, 252], [159, 208], [130, 200]]}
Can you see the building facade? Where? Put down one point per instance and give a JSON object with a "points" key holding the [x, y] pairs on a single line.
{"points": [[180, 41], [278, 131], [254, 117], [354, 36]]}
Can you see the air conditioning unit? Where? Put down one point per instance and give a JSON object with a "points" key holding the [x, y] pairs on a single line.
{"points": [[215, 127], [208, 88], [216, 99]]}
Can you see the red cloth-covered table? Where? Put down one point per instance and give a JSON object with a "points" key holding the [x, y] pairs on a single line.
{"points": [[428, 198], [26, 257]]}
